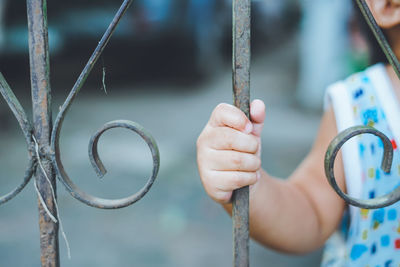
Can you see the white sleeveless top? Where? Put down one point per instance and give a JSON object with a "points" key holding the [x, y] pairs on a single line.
{"points": [[373, 237]]}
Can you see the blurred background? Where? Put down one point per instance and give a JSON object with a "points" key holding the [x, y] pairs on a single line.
{"points": [[167, 66]]}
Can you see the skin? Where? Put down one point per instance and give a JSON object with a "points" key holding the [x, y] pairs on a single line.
{"points": [[308, 210]]}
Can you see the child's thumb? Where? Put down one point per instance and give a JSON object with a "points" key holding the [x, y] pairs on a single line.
{"points": [[257, 116]]}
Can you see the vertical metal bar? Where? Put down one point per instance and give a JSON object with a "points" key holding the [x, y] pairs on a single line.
{"points": [[42, 121], [241, 93]]}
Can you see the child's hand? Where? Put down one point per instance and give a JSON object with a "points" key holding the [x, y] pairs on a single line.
{"points": [[229, 150]]}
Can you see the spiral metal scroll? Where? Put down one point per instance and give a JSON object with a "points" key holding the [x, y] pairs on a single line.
{"points": [[344, 136], [331, 154], [54, 154]]}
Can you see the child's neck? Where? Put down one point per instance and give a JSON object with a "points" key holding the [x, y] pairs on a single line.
{"points": [[394, 80], [394, 39]]}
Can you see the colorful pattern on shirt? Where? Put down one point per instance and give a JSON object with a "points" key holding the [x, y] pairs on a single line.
{"points": [[373, 238]]}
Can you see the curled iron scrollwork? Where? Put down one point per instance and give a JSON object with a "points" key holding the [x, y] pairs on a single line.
{"points": [[55, 137], [332, 152], [26, 127], [100, 169]]}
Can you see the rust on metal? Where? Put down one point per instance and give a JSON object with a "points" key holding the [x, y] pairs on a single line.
{"points": [[241, 93], [42, 121]]}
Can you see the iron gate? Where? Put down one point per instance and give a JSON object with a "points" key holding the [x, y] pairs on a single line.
{"points": [[42, 136]]}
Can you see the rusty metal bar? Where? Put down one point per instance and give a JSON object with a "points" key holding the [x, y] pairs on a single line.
{"points": [[241, 93], [42, 121]]}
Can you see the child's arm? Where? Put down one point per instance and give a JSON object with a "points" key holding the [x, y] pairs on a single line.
{"points": [[294, 215]]}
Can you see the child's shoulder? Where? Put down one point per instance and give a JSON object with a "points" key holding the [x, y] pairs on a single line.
{"points": [[363, 78], [367, 76], [360, 91], [358, 84]]}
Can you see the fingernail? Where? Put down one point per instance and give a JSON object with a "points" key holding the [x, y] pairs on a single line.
{"points": [[258, 176], [249, 128]]}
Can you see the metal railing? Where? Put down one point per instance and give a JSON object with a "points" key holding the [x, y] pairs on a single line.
{"points": [[241, 94], [42, 137]]}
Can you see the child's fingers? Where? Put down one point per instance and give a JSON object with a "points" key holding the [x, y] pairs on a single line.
{"points": [[228, 150], [228, 115], [220, 184], [257, 115], [257, 111], [222, 197], [224, 138], [232, 180], [225, 160]]}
